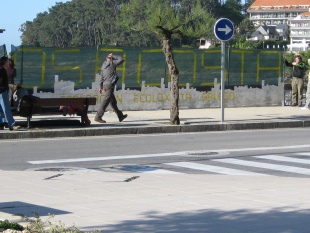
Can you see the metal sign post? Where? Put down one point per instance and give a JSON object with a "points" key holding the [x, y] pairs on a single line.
{"points": [[223, 44], [224, 31]]}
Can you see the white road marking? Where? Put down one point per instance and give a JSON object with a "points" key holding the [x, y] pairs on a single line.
{"points": [[99, 158], [214, 169], [283, 168], [284, 159], [306, 154]]}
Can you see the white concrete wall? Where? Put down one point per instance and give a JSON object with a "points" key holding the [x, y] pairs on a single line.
{"points": [[155, 98]]}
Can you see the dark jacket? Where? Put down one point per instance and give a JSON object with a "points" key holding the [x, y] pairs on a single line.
{"points": [[108, 70], [4, 81], [298, 69]]}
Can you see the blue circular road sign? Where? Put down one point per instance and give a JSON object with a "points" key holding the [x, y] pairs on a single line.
{"points": [[224, 29]]}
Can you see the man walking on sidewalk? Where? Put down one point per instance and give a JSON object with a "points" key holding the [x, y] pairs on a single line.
{"points": [[108, 81]]}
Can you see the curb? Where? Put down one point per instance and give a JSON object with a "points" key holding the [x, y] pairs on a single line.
{"points": [[158, 129]]}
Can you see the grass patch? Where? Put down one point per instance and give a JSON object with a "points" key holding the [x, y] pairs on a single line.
{"points": [[10, 225], [36, 225]]}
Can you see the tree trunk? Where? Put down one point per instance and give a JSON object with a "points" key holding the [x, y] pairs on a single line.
{"points": [[174, 72]]}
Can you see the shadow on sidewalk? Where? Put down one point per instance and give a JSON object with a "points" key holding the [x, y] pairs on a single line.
{"points": [[212, 220], [24, 209]]}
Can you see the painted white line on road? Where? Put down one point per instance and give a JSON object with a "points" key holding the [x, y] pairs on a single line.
{"points": [[264, 148], [283, 168], [283, 159], [99, 158], [306, 154], [215, 169]]}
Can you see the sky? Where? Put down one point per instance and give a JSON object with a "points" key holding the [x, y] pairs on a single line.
{"points": [[16, 12]]}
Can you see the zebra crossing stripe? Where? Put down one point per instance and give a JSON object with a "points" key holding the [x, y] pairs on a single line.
{"points": [[284, 159], [306, 154], [215, 169], [283, 168]]}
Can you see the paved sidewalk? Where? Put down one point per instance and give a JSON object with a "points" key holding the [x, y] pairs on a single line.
{"points": [[146, 122], [159, 203]]}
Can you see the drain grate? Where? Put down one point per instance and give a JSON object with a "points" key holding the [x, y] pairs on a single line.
{"points": [[56, 169], [203, 153]]}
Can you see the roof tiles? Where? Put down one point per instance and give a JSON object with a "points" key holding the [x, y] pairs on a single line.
{"points": [[258, 3]]}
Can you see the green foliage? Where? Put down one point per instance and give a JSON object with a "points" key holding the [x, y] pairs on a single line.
{"points": [[231, 9], [167, 20], [10, 225], [39, 226], [126, 23], [290, 57], [79, 23], [240, 42], [36, 225], [246, 26], [75, 23]]}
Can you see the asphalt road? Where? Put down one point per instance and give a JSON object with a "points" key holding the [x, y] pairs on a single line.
{"points": [[227, 152]]}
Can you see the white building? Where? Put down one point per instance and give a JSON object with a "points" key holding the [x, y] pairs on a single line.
{"points": [[265, 33], [279, 32], [274, 12], [300, 32], [204, 43]]}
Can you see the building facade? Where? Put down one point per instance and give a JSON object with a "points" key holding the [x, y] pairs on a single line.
{"points": [[279, 32], [300, 32], [275, 12], [293, 13]]}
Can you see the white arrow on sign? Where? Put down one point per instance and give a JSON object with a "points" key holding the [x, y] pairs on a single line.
{"points": [[226, 30]]}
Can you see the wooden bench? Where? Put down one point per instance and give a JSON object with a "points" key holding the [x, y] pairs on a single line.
{"points": [[30, 105]]}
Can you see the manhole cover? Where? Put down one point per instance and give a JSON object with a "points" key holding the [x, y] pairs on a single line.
{"points": [[202, 153], [56, 169]]}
